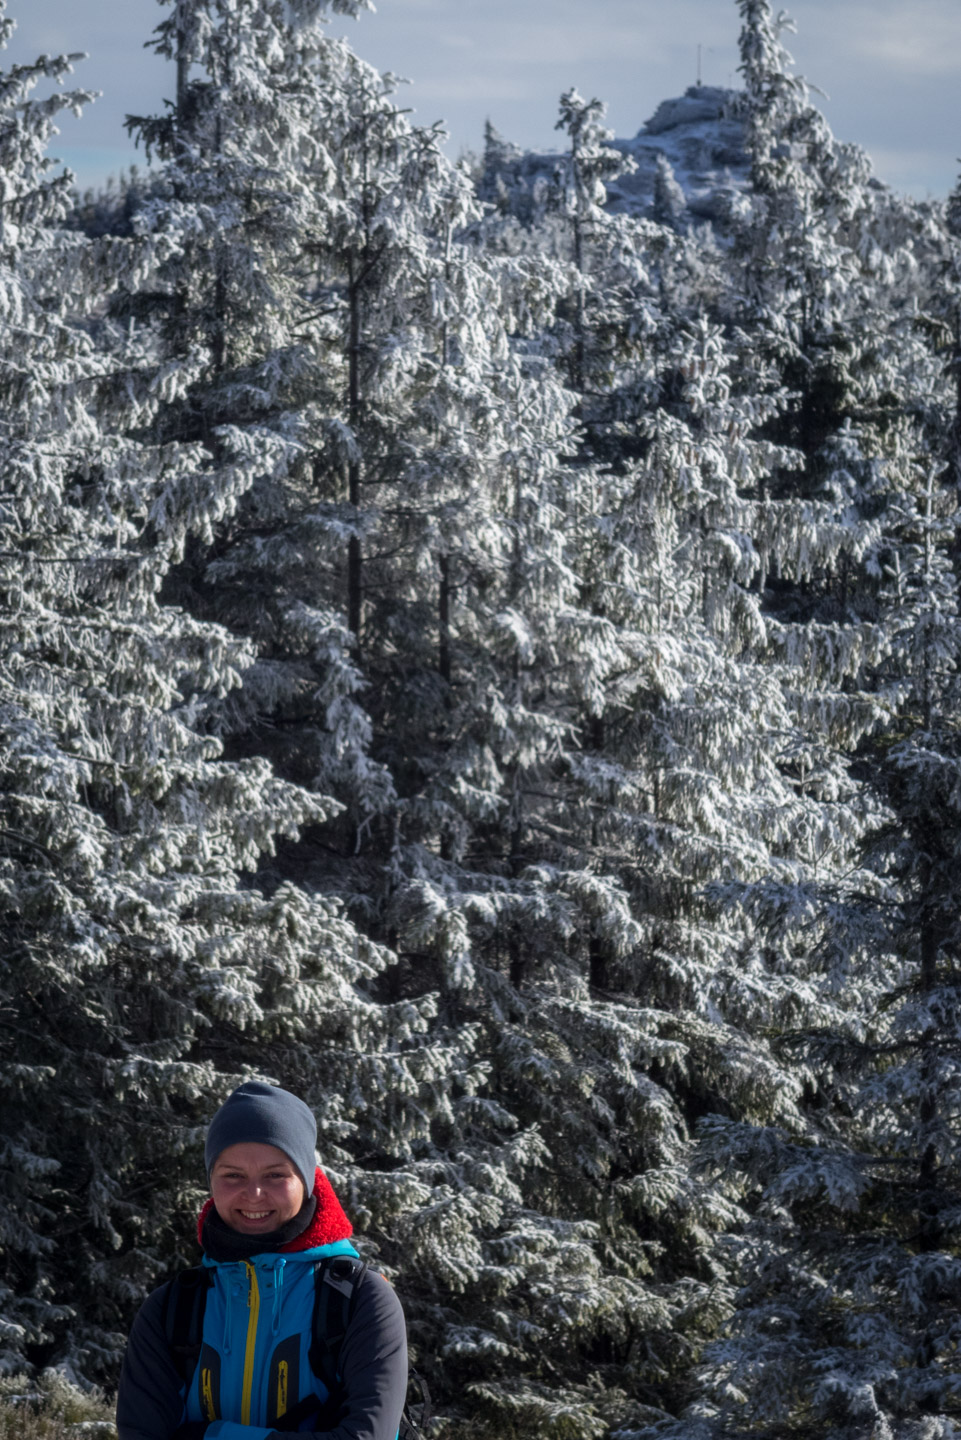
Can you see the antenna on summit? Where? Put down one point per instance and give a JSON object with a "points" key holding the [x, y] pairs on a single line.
{"points": [[699, 65]]}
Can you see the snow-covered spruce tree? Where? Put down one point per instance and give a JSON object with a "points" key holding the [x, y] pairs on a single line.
{"points": [[559, 1294], [847, 1315], [141, 973], [615, 665], [428, 427], [751, 751], [796, 263], [802, 254], [471, 639], [485, 881], [846, 1320], [838, 1206], [250, 183], [579, 190], [599, 268]]}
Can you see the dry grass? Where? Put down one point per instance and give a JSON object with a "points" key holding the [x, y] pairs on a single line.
{"points": [[50, 1408]]}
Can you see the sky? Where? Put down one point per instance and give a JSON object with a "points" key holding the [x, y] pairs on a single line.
{"points": [[889, 69]]}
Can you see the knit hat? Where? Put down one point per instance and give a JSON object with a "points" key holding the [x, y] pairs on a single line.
{"points": [[266, 1115]]}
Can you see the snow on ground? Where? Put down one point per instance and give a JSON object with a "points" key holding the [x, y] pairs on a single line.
{"points": [[704, 146]]}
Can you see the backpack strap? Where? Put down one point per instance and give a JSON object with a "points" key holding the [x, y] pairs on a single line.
{"points": [[336, 1278], [417, 1418], [183, 1318]]}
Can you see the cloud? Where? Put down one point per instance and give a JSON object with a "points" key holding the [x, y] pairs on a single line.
{"points": [[511, 59], [533, 34], [920, 38], [920, 45]]}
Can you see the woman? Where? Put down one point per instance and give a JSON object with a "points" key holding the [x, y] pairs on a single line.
{"points": [[271, 1217]]}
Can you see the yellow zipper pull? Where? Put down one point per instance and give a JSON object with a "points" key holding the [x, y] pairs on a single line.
{"points": [[207, 1394]]}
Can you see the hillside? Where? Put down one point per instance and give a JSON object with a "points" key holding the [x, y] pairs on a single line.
{"points": [[696, 133]]}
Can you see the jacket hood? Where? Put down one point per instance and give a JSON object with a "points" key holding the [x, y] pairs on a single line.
{"points": [[329, 1224]]}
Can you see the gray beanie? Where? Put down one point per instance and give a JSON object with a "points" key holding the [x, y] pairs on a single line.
{"points": [[266, 1115]]}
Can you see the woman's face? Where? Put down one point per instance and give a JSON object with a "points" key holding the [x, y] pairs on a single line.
{"points": [[255, 1188]]}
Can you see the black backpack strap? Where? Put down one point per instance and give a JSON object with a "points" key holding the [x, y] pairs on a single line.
{"points": [[335, 1284], [418, 1416], [183, 1318]]}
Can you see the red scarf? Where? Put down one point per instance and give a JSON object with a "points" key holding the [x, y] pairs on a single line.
{"points": [[329, 1222]]}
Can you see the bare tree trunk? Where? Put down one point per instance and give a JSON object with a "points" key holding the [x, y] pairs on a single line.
{"points": [[929, 1226], [355, 577], [183, 68], [444, 660]]}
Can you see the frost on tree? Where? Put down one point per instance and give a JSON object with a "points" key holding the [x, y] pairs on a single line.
{"points": [[356, 358], [142, 973], [494, 615], [845, 1256]]}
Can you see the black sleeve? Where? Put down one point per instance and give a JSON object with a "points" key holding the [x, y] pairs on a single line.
{"points": [[149, 1400], [373, 1366]]}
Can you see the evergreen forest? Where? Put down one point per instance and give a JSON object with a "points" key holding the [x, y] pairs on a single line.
{"points": [[486, 656]]}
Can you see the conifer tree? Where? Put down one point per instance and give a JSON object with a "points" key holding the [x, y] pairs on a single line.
{"points": [[531, 625], [801, 247], [845, 1313], [848, 1272], [438, 468], [672, 773], [143, 972], [248, 174]]}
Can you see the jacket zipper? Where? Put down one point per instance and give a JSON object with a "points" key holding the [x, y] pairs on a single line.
{"points": [[253, 1313]]}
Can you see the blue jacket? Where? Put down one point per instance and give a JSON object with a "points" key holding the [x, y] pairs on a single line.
{"points": [[254, 1364]]}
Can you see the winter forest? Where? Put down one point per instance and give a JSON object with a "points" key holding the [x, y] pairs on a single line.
{"points": [[480, 647]]}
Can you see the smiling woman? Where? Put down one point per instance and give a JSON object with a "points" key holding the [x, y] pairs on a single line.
{"points": [[276, 1243], [255, 1188], [260, 1162]]}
